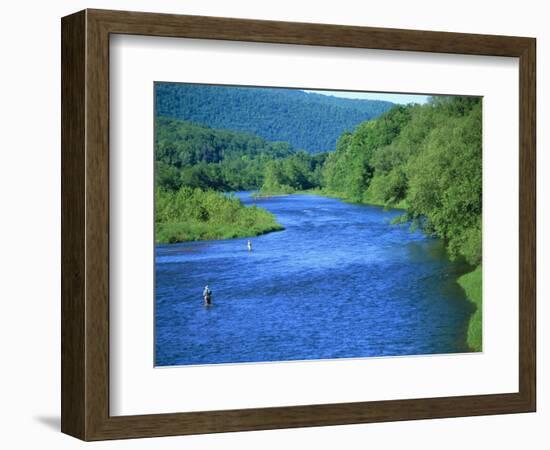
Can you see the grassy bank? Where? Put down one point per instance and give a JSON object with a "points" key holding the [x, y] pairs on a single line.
{"points": [[193, 215], [472, 285], [275, 190], [470, 282], [171, 233], [365, 200]]}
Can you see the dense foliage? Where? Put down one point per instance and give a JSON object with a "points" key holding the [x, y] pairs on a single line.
{"points": [[426, 159], [193, 214], [350, 169], [423, 158], [295, 173], [306, 120], [472, 285], [187, 154]]}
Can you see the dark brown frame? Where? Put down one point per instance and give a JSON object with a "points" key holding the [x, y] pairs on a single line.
{"points": [[85, 224]]}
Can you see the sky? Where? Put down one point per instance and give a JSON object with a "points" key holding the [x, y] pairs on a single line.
{"points": [[394, 98]]}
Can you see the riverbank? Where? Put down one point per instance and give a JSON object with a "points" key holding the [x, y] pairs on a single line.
{"points": [[472, 285], [173, 233], [194, 215], [367, 201], [310, 292], [470, 282]]}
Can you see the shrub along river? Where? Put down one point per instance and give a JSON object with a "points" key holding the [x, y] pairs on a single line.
{"points": [[339, 282]]}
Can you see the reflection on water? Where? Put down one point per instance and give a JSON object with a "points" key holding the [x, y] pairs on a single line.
{"points": [[338, 282]]}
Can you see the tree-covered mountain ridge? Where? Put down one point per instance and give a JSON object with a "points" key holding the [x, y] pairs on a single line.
{"points": [[308, 121], [194, 155], [183, 143]]}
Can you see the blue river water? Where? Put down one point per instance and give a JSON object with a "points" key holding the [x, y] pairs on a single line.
{"points": [[339, 282]]}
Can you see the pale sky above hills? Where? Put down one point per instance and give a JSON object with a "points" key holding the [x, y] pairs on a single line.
{"points": [[394, 98]]}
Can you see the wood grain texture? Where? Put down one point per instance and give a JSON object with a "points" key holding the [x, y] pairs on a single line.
{"points": [[85, 224], [201, 27], [73, 321], [527, 224], [97, 225]]}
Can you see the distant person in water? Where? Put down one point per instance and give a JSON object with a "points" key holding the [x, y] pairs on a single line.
{"points": [[249, 245], [207, 295]]}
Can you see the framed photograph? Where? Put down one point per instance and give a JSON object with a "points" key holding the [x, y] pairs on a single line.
{"points": [[272, 225]]}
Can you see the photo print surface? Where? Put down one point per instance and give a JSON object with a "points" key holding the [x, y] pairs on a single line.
{"points": [[296, 224]]}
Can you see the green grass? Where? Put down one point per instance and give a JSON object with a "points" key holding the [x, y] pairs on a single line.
{"points": [[470, 282], [365, 200], [275, 191], [369, 199], [197, 231], [472, 285], [194, 215]]}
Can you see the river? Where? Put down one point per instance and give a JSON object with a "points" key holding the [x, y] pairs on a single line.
{"points": [[339, 282]]}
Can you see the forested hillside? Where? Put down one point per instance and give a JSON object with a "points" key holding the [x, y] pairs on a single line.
{"points": [[426, 159], [308, 121], [192, 155]]}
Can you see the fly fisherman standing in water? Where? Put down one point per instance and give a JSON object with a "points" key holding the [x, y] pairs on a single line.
{"points": [[207, 295]]}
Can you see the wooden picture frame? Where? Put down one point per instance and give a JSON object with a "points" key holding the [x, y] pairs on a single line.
{"points": [[85, 224]]}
